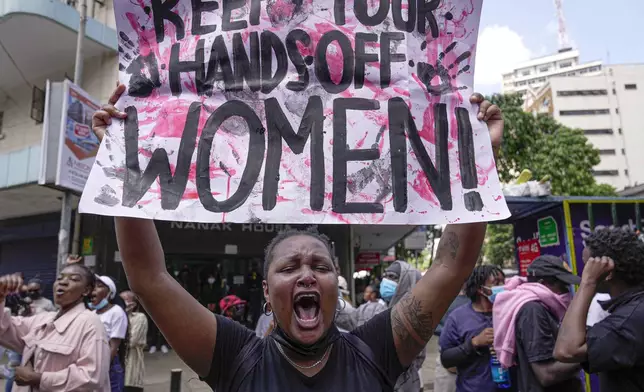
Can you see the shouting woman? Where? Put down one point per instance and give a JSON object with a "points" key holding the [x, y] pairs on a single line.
{"points": [[63, 351], [305, 351]]}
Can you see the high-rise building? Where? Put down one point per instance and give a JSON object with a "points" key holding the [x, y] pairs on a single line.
{"points": [[528, 77], [607, 107]]}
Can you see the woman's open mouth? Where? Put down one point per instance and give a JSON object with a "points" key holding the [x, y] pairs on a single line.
{"points": [[59, 292], [307, 310]]}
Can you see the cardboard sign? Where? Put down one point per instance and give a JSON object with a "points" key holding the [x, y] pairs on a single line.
{"points": [[325, 111]]}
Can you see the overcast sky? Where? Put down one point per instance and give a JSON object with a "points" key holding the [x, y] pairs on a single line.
{"points": [[513, 31]]}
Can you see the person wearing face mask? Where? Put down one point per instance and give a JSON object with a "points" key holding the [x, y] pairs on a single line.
{"points": [[39, 303], [211, 293], [115, 321], [526, 319], [398, 280], [467, 335]]}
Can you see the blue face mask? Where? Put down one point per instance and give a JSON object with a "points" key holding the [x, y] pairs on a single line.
{"points": [[495, 291], [388, 289], [100, 305]]}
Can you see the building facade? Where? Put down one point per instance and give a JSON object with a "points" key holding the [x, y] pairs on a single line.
{"points": [[606, 108], [38, 44], [527, 78]]}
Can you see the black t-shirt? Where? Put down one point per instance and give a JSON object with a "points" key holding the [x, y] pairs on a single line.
{"points": [[616, 344], [536, 334], [345, 369]]}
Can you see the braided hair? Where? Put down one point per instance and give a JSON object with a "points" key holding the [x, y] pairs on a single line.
{"points": [[311, 232], [626, 250], [477, 279]]}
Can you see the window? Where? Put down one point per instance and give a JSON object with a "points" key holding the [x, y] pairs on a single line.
{"points": [[626, 171], [620, 131], [608, 151], [606, 172], [37, 104], [614, 92], [598, 132], [630, 86], [623, 151], [566, 64], [1, 118], [525, 73], [581, 93], [583, 112], [617, 110], [544, 69]]}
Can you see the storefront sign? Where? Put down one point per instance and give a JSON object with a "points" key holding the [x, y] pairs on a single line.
{"points": [[603, 217], [365, 259], [528, 251], [88, 246], [302, 112], [246, 227], [548, 232], [69, 146]]}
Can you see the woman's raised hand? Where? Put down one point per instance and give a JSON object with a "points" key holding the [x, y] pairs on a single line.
{"points": [[103, 117]]}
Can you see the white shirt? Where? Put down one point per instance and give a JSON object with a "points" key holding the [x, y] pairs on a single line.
{"points": [[596, 313], [115, 322]]}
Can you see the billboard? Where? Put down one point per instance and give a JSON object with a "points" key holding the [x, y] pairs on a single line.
{"points": [[69, 146]]}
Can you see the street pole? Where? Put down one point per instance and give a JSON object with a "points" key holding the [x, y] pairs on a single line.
{"points": [[66, 209]]}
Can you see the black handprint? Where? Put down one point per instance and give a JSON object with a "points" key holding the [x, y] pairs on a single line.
{"points": [[446, 75], [140, 85]]}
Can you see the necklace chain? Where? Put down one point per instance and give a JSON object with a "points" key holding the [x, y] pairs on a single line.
{"points": [[281, 350]]}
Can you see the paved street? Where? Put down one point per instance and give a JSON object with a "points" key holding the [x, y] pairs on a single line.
{"points": [[159, 366]]}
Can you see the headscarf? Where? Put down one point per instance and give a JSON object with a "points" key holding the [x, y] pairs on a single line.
{"points": [[408, 277]]}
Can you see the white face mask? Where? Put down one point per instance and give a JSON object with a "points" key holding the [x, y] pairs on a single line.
{"points": [[211, 280]]}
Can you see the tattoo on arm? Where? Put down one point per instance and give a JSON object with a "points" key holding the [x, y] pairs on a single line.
{"points": [[411, 325], [447, 247]]}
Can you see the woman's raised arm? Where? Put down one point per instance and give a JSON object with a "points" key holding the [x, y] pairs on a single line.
{"points": [[190, 328]]}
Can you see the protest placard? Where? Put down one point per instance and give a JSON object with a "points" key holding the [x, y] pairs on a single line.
{"points": [[297, 111]]}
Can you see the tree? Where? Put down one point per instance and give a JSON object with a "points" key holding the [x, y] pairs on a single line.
{"points": [[545, 147]]}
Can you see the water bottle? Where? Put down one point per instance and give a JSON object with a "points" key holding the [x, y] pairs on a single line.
{"points": [[500, 375]]}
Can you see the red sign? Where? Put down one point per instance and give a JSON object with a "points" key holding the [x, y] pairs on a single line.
{"points": [[367, 258], [528, 251]]}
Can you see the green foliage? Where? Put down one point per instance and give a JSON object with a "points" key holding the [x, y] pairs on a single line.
{"points": [[499, 244], [545, 147]]}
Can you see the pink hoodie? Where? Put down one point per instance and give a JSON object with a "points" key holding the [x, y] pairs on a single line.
{"points": [[507, 305]]}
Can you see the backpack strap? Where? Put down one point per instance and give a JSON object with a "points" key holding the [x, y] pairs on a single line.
{"points": [[367, 354]]}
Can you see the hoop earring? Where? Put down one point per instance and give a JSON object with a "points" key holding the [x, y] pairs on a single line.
{"points": [[266, 310], [339, 309]]}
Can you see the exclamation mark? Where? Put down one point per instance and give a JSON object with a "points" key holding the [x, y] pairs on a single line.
{"points": [[469, 177]]}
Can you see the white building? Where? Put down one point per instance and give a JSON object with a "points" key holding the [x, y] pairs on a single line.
{"points": [[607, 107], [38, 43], [528, 77]]}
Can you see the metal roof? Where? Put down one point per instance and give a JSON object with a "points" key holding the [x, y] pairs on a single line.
{"points": [[522, 207]]}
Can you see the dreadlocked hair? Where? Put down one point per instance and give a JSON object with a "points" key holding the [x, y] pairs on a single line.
{"points": [[478, 278], [283, 235], [626, 250]]}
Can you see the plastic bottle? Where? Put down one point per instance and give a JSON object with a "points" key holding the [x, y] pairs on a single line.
{"points": [[500, 375]]}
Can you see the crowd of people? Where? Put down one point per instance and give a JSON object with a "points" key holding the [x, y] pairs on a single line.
{"points": [[87, 339], [532, 335], [495, 334]]}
